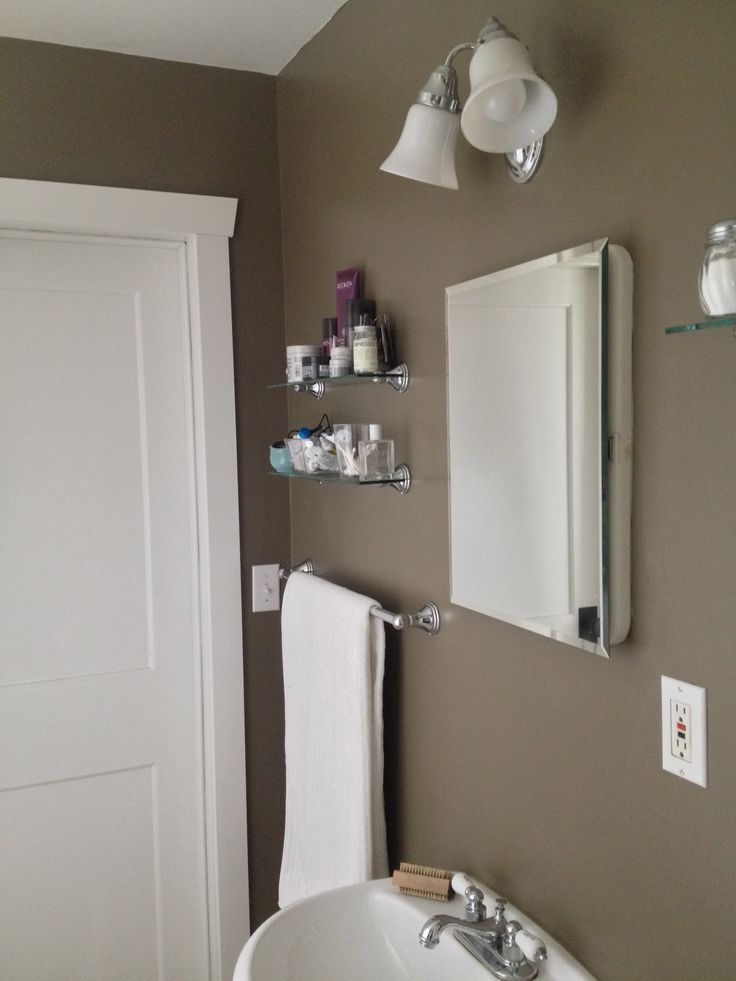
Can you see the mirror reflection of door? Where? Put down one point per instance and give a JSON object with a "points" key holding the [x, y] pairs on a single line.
{"points": [[529, 469]]}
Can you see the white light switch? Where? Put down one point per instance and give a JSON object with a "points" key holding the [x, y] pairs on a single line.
{"points": [[684, 731], [266, 594]]}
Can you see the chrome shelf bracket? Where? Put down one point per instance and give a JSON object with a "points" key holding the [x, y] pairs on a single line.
{"points": [[402, 479], [397, 378]]}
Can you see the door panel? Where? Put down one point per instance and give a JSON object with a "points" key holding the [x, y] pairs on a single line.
{"points": [[70, 441], [101, 785], [64, 893]]}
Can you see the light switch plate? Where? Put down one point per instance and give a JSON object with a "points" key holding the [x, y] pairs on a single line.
{"points": [[684, 731], [266, 595]]}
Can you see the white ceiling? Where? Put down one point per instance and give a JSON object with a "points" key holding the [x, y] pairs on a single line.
{"points": [[253, 35]]}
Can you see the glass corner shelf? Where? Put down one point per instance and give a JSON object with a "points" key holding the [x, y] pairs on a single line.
{"points": [[706, 324], [400, 481], [397, 378]]}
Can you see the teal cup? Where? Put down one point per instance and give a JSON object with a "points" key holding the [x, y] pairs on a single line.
{"points": [[280, 457]]}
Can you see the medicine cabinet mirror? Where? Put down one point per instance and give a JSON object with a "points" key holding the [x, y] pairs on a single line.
{"points": [[540, 427]]}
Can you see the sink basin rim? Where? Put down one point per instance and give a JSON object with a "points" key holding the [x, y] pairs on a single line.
{"points": [[383, 911]]}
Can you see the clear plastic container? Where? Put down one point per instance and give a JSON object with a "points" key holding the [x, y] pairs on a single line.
{"points": [[347, 437], [717, 283], [376, 456], [296, 452]]}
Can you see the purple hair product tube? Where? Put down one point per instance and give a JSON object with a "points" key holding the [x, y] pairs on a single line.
{"points": [[347, 287]]}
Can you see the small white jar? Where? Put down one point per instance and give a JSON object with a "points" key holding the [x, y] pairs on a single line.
{"points": [[717, 283], [302, 362], [341, 361]]}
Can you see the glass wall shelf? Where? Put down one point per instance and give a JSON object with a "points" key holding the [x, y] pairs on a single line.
{"points": [[401, 480], [706, 324], [397, 378]]}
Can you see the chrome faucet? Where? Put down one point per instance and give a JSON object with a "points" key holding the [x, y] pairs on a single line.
{"points": [[504, 947]]}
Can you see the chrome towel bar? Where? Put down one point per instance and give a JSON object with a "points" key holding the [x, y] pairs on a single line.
{"points": [[427, 619]]}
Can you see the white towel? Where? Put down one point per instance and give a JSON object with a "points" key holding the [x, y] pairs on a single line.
{"points": [[333, 653]]}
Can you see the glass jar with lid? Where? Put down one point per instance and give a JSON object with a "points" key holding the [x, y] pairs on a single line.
{"points": [[717, 283], [365, 349]]}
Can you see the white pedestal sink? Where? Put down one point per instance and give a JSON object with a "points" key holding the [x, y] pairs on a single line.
{"points": [[370, 931]]}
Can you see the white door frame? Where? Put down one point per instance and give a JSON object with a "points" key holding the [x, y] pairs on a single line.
{"points": [[204, 224]]}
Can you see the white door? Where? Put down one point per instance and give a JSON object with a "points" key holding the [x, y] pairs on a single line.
{"points": [[102, 809]]}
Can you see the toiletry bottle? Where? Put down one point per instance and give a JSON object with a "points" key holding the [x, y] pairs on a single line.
{"points": [[329, 334], [302, 362], [341, 362], [357, 312], [365, 349], [329, 327], [347, 287]]}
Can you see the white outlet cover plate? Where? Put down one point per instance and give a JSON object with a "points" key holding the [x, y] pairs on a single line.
{"points": [[696, 770], [266, 594]]}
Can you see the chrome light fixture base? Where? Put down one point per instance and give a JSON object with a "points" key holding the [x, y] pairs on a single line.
{"points": [[440, 90], [522, 164]]}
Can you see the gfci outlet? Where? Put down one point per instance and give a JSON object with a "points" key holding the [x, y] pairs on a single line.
{"points": [[684, 730], [681, 715]]}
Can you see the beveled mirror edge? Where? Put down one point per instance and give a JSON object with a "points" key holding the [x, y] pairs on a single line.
{"points": [[620, 306], [606, 316]]}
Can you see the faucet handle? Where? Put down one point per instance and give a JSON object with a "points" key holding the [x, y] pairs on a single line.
{"points": [[532, 947], [475, 909], [461, 881]]}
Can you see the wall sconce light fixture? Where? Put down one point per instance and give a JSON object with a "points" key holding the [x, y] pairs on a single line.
{"points": [[509, 110]]}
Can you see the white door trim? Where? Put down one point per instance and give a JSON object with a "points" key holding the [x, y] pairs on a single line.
{"points": [[204, 224], [82, 208]]}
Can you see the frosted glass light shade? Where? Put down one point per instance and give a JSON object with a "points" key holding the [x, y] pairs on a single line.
{"points": [[426, 148], [497, 117]]}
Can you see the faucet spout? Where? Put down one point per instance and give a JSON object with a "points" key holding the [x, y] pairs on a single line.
{"points": [[429, 935]]}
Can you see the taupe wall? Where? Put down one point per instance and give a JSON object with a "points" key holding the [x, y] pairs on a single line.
{"points": [[590, 836], [89, 117], [528, 763]]}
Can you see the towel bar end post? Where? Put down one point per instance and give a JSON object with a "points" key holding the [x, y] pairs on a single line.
{"points": [[428, 618], [306, 566]]}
